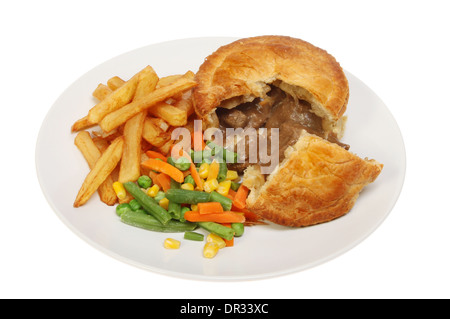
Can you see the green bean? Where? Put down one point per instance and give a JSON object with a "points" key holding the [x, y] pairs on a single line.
{"points": [[174, 184], [183, 211], [122, 208], [238, 229], [148, 203], [190, 235], [228, 156], [223, 200], [143, 220], [218, 229], [235, 186], [201, 156], [205, 160], [183, 196], [144, 181], [223, 169], [174, 210]]}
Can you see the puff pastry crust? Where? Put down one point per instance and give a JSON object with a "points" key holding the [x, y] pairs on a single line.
{"points": [[244, 68], [316, 183]]}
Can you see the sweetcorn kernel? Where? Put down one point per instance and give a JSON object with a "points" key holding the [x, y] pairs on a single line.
{"points": [[164, 203], [213, 238], [153, 191], [232, 175], [211, 185], [210, 250], [171, 243], [224, 188], [187, 186], [203, 171], [120, 191], [194, 208]]}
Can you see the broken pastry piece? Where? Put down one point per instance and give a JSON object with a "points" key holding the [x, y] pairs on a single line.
{"points": [[290, 85], [317, 182]]}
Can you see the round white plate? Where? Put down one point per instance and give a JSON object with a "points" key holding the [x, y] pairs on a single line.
{"points": [[263, 251]]}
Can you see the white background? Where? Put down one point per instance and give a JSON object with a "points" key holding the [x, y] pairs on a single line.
{"points": [[400, 49]]}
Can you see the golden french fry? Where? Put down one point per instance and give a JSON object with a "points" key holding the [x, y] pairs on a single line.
{"points": [[120, 116], [172, 115], [163, 125], [130, 164], [117, 99], [99, 173], [92, 153], [101, 92], [82, 124], [115, 82], [107, 136], [101, 143], [153, 134], [185, 104], [166, 80], [165, 148]]}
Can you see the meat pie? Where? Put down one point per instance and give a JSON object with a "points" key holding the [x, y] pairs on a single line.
{"points": [[301, 90]]}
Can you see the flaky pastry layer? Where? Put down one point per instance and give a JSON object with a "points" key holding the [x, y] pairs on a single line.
{"points": [[242, 70], [317, 182]]}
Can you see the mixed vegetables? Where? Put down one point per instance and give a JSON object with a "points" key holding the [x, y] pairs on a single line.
{"points": [[178, 195]]}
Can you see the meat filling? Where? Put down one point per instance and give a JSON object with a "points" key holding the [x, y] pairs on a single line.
{"points": [[278, 110]]}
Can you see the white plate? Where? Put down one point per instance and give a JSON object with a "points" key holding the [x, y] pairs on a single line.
{"points": [[263, 251]]}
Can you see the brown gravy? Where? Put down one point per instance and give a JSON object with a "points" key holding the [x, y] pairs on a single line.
{"points": [[279, 110]]}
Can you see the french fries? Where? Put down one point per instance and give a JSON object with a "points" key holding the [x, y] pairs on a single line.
{"points": [[115, 82], [121, 115], [130, 165], [153, 134], [130, 117], [172, 115], [120, 97], [82, 124], [92, 153], [101, 92], [102, 168]]}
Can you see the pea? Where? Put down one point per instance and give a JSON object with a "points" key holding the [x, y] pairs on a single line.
{"points": [[160, 195], [182, 164], [171, 161], [144, 181], [189, 179], [122, 208]]}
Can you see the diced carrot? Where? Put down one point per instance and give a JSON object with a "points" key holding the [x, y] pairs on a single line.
{"points": [[154, 176], [164, 181], [228, 243], [155, 154], [165, 168], [225, 217], [198, 181], [210, 207], [249, 215], [241, 197], [232, 193]]}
